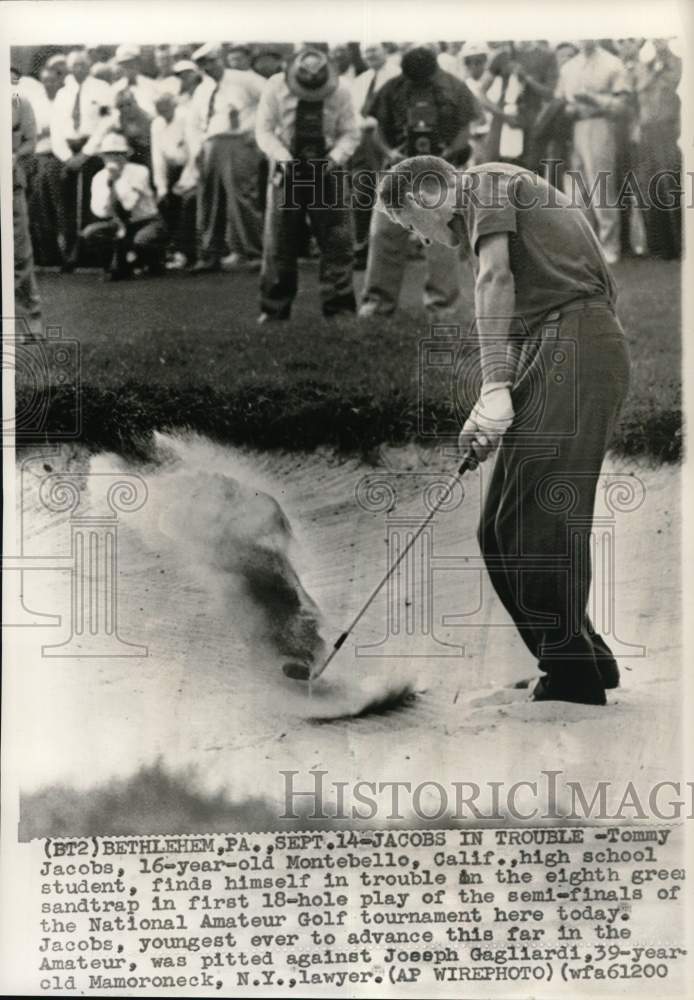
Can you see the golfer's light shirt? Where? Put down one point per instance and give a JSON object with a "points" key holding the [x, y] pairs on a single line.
{"points": [[277, 117], [132, 189], [94, 95], [554, 255]]}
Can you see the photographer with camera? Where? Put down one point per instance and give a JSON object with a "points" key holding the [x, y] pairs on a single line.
{"points": [[423, 111]]}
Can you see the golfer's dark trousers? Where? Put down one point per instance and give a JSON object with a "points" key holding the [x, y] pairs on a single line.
{"points": [[535, 529], [307, 191]]}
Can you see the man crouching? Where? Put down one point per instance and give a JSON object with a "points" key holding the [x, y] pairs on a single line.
{"points": [[131, 231], [555, 371]]}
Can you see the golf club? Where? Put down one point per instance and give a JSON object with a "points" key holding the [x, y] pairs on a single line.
{"points": [[302, 671]]}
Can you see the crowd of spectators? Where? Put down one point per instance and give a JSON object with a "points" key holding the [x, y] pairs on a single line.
{"points": [[140, 159]]}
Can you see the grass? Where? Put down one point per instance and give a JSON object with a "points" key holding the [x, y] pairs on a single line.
{"points": [[179, 352]]}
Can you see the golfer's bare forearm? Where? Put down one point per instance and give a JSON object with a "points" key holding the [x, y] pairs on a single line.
{"points": [[495, 297]]}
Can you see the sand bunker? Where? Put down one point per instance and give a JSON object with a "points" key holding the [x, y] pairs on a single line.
{"points": [[236, 560]]}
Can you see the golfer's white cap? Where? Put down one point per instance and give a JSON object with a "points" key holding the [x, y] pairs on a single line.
{"points": [[210, 50], [184, 66], [472, 49], [124, 53]]}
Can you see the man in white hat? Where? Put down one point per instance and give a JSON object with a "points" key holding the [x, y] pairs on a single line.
{"points": [[596, 88], [130, 231], [474, 57], [189, 77], [223, 112], [79, 110], [308, 130], [143, 88]]}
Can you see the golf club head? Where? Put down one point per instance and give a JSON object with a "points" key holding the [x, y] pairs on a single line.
{"points": [[296, 671]]}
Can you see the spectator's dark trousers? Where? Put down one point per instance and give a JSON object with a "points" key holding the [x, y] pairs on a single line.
{"points": [[77, 185], [45, 203], [536, 521], [307, 190], [659, 181], [366, 162], [147, 238], [178, 212]]}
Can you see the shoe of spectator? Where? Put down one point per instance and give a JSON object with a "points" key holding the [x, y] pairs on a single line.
{"points": [[205, 267], [370, 308], [271, 318], [176, 262], [611, 257], [117, 274], [235, 262]]}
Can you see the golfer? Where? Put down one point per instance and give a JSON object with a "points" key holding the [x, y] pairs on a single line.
{"points": [[554, 374]]}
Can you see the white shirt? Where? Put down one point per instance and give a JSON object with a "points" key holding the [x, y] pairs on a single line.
{"points": [[480, 126], [29, 87], [277, 117], [361, 85], [94, 95], [132, 189], [42, 106], [169, 146], [226, 108], [597, 73], [167, 85], [144, 90], [451, 64]]}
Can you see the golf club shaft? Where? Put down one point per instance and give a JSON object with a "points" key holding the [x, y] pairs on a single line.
{"points": [[469, 461]]}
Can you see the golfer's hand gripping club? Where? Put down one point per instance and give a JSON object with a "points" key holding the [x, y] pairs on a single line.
{"points": [[491, 417]]}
